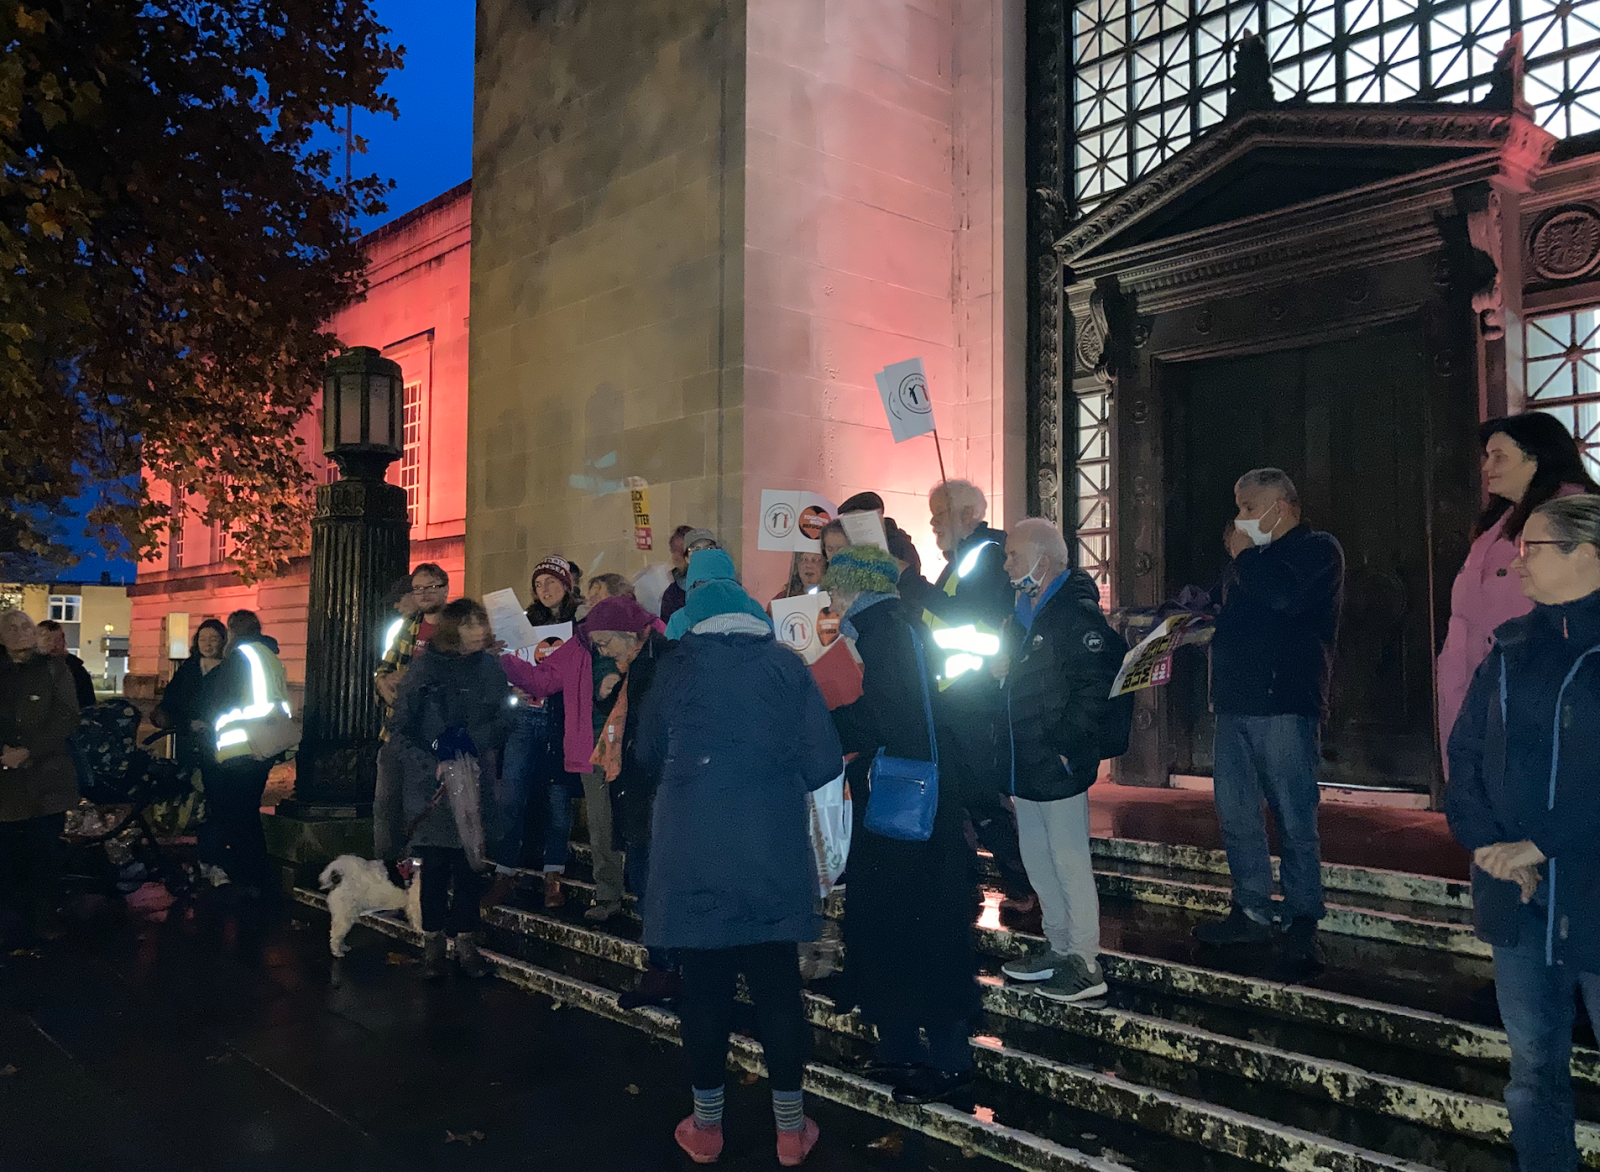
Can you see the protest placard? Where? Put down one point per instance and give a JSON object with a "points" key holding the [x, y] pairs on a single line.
{"points": [[1149, 664], [903, 387], [545, 640], [793, 520], [798, 623]]}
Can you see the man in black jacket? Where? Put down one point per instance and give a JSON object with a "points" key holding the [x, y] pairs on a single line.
{"points": [[967, 608], [1271, 662], [1064, 657]]}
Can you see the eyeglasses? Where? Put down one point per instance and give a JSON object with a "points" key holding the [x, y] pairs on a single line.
{"points": [[1522, 546], [436, 588], [699, 545]]}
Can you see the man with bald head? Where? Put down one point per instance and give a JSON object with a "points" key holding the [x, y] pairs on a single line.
{"points": [[1271, 665]]}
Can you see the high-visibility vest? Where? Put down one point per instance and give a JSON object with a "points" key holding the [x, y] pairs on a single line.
{"points": [[269, 690], [967, 647]]}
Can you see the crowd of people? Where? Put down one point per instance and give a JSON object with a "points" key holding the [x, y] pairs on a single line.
{"points": [[978, 714]]}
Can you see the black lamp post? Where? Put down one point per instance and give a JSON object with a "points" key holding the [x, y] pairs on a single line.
{"points": [[360, 543]]}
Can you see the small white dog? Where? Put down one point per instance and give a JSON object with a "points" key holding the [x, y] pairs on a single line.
{"points": [[356, 886]]}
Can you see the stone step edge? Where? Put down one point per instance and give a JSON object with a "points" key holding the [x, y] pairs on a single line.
{"points": [[1400, 1025], [1329, 1080], [1008, 1145], [1404, 886], [1363, 923], [1221, 1129]]}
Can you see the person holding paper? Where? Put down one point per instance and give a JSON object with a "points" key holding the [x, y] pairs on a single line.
{"points": [[909, 906], [967, 607], [539, 779], [1271, 669]]}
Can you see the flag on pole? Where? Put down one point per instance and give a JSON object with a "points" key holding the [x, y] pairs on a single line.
{"points": [[904, 390]]}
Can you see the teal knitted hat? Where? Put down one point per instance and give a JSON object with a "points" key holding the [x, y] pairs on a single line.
{"points": [[862, 569]]}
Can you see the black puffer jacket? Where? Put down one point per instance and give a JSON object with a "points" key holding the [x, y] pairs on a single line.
{"points": [[1057, 693], [634, 791]]}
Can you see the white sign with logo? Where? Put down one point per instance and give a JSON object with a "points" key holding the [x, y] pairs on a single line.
{"points": [[793, 520], [903, 388], [798, 623]]}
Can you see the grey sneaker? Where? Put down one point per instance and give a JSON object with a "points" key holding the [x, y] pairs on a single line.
{"points": [[1040, 966], [1074, 981]]}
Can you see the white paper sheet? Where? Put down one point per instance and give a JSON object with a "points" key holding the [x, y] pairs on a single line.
{"points": [[865, 529], [508, 619]]}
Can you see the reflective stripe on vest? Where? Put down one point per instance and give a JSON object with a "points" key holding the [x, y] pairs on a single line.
{"points": [[233, 740], [968, 647]]}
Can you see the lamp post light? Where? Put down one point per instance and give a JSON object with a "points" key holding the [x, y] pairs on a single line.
{"points": [[360, 544]]}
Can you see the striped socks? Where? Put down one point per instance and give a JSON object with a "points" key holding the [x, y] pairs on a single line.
{"points": [[788, 1108], [708, 1108]]}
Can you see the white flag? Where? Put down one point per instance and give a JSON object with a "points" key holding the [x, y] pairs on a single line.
{"points": [[904, 390]]}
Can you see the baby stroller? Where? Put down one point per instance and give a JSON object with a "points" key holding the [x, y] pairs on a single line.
{"points": [[122, 782]]}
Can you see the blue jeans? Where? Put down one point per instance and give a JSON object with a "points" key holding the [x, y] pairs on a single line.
{"points": [[1537, 1006], [1271, 757], [529, 768]]}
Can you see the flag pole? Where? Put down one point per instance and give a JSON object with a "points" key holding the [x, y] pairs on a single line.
{"points": [[937, 447]]}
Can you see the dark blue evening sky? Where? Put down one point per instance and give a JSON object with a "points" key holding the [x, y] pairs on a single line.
{"points": [[428, 150]]}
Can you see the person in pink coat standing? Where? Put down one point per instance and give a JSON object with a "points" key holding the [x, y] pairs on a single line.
{"points": [[1527, 460]]}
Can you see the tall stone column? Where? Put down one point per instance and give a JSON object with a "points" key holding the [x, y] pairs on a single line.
{"points": [[360, 544]]}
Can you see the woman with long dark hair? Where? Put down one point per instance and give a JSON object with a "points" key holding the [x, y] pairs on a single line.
{"points": [[1528, 459]]}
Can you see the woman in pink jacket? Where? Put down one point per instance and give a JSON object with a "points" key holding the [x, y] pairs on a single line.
{"points": [[1527, 460]]}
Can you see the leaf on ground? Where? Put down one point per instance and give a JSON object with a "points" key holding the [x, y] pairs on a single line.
{"points": [[466, 1138], [1089, 1135], [749, 1078], [894, 1144], [399, 958], [555, 1005], [631, 1088], [33, 952], [8, 1071]]}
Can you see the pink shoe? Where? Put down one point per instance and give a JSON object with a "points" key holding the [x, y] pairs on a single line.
{"points": [[795, 1146], [704, 1144]]}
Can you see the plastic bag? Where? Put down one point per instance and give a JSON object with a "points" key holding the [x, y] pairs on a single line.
{"points": [[830, 832], [460, 777]]}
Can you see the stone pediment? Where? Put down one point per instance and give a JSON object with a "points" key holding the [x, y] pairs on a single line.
{"points": [[1274, 160]]}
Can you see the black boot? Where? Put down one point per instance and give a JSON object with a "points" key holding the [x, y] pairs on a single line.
{"points": [[435, 959], [1239, 928], [472, 961]]}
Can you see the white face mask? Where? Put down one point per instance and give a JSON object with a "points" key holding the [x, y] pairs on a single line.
{"points": [[1029, 583], [1254, 530]]}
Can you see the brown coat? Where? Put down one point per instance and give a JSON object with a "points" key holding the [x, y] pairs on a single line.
{"points": [[38, 712]]}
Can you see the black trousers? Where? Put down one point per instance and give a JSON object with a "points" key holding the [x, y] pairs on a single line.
{"points": [[236, 841], [30, 866], [980, 779], [705, 1010], [442, 868]]}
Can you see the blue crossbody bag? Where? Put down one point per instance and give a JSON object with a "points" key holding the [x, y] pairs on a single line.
{"points": [[905, 791]]}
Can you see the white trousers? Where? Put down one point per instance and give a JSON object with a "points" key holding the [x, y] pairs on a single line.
{"points": [[1054, 837]]}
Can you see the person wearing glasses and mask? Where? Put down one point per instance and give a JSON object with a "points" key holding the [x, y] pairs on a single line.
{"points": [[1524, 755], [1271, 664]]}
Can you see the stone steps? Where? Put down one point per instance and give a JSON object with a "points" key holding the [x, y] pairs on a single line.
{"points": [[1417, 1115], [1214, 1059]]}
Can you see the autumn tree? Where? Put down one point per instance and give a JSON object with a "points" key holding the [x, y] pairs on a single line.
{"points": [[175, 230]]}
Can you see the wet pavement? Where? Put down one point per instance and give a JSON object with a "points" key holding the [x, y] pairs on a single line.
{"points": [[212, 1038]]}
